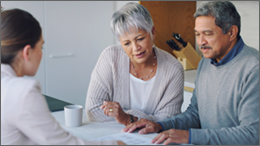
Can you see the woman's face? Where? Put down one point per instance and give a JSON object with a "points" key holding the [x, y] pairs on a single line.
{"points": [[138, 45], [36, 56]]}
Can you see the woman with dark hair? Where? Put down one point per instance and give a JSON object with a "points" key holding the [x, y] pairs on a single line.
{"points": [[25, 117]]}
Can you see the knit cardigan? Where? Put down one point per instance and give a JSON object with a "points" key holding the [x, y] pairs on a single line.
{"points": [[110, 81]]}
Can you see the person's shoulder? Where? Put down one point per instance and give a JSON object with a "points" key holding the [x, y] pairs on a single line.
{"points": [[251, 53], [248, 58], [19, 88], [25, 83]]}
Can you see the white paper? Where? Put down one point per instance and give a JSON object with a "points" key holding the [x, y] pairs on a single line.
{"points": [[127, 138]]}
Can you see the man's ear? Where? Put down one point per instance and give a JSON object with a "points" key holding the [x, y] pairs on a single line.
{"points": [[26, 52], [233, 32]]}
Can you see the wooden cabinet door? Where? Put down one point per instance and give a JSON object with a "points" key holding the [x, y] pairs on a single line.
{"points": [[172, 17]]}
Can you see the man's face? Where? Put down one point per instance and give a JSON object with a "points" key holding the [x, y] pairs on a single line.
{"points": [[210, 38]]}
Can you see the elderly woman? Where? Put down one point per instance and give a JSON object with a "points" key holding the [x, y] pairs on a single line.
{"points": [[135, 79], [25, 117]]}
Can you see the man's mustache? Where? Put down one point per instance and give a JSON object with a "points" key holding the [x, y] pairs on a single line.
{"points": [[205, 47]]}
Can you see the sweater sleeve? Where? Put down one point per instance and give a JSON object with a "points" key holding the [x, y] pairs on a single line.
{"points": [[247, 132], [188, 119], [185, 120], [100, 89]]}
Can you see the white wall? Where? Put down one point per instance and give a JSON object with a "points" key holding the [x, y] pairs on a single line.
{"points": [[249, 13], [119, 4]]}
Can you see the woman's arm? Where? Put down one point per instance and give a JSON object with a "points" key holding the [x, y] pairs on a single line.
{"points": [[100, 88]]}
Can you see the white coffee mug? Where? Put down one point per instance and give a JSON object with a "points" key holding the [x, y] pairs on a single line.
{"points": [[73, 115]]}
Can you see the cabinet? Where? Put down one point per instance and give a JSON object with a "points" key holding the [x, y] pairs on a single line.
{"points": [[172, 17]]}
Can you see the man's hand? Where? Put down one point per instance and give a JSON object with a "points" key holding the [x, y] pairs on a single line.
{"points": [[145, 125], [172, 136]]}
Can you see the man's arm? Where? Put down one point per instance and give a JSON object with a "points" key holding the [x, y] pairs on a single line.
{"points": [[186, 120]]}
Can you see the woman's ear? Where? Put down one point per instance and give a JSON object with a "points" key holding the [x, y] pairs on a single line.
{"points": [[153, 32], [26, 52]]}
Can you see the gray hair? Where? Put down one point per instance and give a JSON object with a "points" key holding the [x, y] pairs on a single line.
{"points": [[131, 15], [224, 12]]}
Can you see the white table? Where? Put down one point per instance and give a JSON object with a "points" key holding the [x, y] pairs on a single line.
{"points": [[90, 130]]}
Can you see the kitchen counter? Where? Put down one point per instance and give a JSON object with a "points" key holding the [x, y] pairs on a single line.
{"points": [[189, 85], [189, 80]]}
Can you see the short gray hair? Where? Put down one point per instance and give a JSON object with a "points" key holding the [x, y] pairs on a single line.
{"points": [[131, 15], [224, 12]]}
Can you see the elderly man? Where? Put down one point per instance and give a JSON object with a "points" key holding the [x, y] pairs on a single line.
{"points": [[224, 107]]}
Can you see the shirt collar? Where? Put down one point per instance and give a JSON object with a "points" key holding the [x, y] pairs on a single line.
{"points": [[231, 54], [7, 70]]}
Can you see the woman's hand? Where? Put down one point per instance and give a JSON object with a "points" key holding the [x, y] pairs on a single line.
{"points": [[145, 125], [172, 136], [114, 109]]}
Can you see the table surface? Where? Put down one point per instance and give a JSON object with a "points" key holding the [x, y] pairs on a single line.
{"points": [[90, 130]]}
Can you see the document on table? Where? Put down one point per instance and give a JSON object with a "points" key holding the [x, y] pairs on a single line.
{"points": [[127, 138]]}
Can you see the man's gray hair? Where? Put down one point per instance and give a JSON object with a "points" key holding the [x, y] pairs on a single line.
{"points": [[131, 15], [224, 12]]}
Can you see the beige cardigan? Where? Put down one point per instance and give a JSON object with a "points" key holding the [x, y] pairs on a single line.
{"points": [[110, 81]]}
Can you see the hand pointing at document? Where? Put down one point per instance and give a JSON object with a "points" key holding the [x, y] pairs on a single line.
{"points": [[145, 125], [169, 136]]}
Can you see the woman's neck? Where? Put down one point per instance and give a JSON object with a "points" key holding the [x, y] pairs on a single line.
{"points": [[148, 64], [17, 67], [146, 70]]}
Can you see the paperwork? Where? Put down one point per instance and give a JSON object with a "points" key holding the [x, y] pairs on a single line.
{"points": [[127, 138]]}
